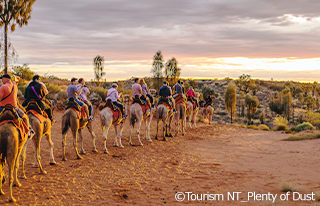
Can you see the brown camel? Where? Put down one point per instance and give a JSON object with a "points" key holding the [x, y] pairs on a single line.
{"points": [[70, 120], [166, 115], [10, 149], [192, 113], [107, 119], [207, 112], [180, 115]]}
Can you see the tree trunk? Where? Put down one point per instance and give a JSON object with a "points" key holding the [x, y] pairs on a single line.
{"points": [[5, 48], [231, 114]]}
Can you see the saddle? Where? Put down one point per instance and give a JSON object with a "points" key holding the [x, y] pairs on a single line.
{"points": [[109, 104], [8, 114], [209, 103], [193, 102], [165, 101], [73, 104], [145, 105], [33, 105], [179, 99]]}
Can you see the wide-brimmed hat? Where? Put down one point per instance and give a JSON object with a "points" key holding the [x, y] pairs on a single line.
{"points": [[114, 85], [5, 76]]}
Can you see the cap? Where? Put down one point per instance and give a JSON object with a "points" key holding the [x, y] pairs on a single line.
{"points": [[5, 76]]}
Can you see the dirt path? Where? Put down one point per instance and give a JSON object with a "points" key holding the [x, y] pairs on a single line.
{"points": [[212, 159]]}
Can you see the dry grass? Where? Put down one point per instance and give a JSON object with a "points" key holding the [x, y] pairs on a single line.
{"points": [[317, 196], [263, 127], [252, 127], [305, 136], [281, 127], [287, 186]]}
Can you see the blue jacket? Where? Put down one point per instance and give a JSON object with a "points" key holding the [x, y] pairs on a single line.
{"points": [[165, 91]]}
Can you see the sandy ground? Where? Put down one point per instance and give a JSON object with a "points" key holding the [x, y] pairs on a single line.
{"points": [[210, 159]]}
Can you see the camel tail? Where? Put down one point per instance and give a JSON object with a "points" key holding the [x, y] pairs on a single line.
{"points": [[65, 123], [132, 120], [3, 146]]}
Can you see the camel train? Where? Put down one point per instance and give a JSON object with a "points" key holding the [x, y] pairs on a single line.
{"points": [[79, 113]]}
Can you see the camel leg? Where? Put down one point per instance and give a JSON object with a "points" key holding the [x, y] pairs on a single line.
{"points": [[75, 141], [131, 127], [36, 141], [24, 155], [184, 126], [81, 138], [93, 138], [148, 129], [115, 144], [2, 165], [170, 122], [11, 164], [195, 119], [16, 181], [164, 120], [64, 143], [190, 120], [138, 131], [157, 129], [120, 135], [105, 134], [51, 145]]}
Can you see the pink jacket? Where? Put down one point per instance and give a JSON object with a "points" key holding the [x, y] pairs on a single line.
{"points": [[136, 90], [190, 93]]}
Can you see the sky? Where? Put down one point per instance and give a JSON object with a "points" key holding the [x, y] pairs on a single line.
{"points": [[267, 39]]}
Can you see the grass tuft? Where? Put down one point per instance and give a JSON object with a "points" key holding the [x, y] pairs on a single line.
{"points": [[252, 127], [305, 136], [263, 127], [286, 187]]}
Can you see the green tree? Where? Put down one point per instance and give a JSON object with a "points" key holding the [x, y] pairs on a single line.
{"points": [[157, 65], [309, 101], [98, 63], [252, 103], [13, 12], [230, 98], [246, 84], [286, 102], [172, 71], [24, 72], [207, 91]]}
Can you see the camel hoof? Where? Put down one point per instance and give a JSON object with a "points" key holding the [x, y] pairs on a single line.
{"points": [[64, 159], [141, 144], [166, 135], [82, 152], [170, 135], [95, 150], [1, 192], [11, 199], [149, 140], [23, 177], [164, 139], [79, 157], [43, 172], [156, 138], [183, 134], [106, 151], [17, 184], [35, 166], [53, 163], [130, 143], [116, 144], [121, 146]]}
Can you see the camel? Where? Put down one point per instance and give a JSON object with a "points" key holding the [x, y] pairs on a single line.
{"points": [[107, 119], [10, 149], [71, 120], [137, 115], [192, 113], [180, 115], [207, 111], [166, 115]]}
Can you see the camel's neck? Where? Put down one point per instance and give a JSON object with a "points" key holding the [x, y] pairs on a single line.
{"points": [[126, 106]]}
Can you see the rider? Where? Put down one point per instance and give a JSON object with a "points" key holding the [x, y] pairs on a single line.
{"points": [[73, 92], [165, 91], [208, 100], [37, 91], [137, 90], [178, 89], [113, 96], [83, 95], [9, 95], [192, 95], [145, 91]]}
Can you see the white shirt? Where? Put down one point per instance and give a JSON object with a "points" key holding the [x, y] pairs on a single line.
{"points": [[112, 95], [84, 91]]}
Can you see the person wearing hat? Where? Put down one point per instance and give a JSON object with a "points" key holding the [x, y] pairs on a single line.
{"points": [[9, 95], [37, 91], [113, 96], [178, 89], [165, 91], [83, 95], [73, 92]]}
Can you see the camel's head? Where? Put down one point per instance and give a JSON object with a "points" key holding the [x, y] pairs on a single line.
{"points": [[126, 98], [197, 95], [153, 92]]}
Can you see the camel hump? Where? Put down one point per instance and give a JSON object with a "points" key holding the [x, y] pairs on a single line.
{"points": [[33, 105], [8, 113], [72, 103]]}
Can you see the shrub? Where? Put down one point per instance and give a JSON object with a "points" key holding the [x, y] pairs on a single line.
{"points": [[304, 136], [128, 91], [313, 118], [252, 127], [279, 119], [22, 88], [289, 187], [281, 127], [242, 126], [304, 126], [263, 127], [100, 91], [52, 88]]}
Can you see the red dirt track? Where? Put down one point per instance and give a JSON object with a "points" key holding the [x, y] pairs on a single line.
{"points": [[213, 159]]}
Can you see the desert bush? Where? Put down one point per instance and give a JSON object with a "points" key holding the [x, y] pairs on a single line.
{"points": [[305, 136], [52, 88], [313, 118], [100, 91], [281, 127], [242, 126], [252, 127], [304, 126], [288, 187], [22, 88], [280, 119], [24, 72], [262, 117], [263, 127]]}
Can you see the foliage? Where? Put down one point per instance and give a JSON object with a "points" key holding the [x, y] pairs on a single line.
{"points": [[22, 88], [24, 72], [157, 65], [309, 101], [252, 103], [128, 91], [281, 127], [207, 91], [263, 127], [246, 84], [313, 118], [304, 126], [52, 88], [172, 71], [252, 127], [230, 99], [193, 83], [120, 86], [14, 12], [262, 117], [304, 136], [100, 91], [98, 63], [280, 120]]}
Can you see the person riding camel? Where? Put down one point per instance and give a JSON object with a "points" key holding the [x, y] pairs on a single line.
{"points": [[165, 92], [178, 89], [73, 92], [191, 95], [83, 95], [113, 96], [9, 95], [37, 91], [137, 92], [145, 91], [208, 100]]}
